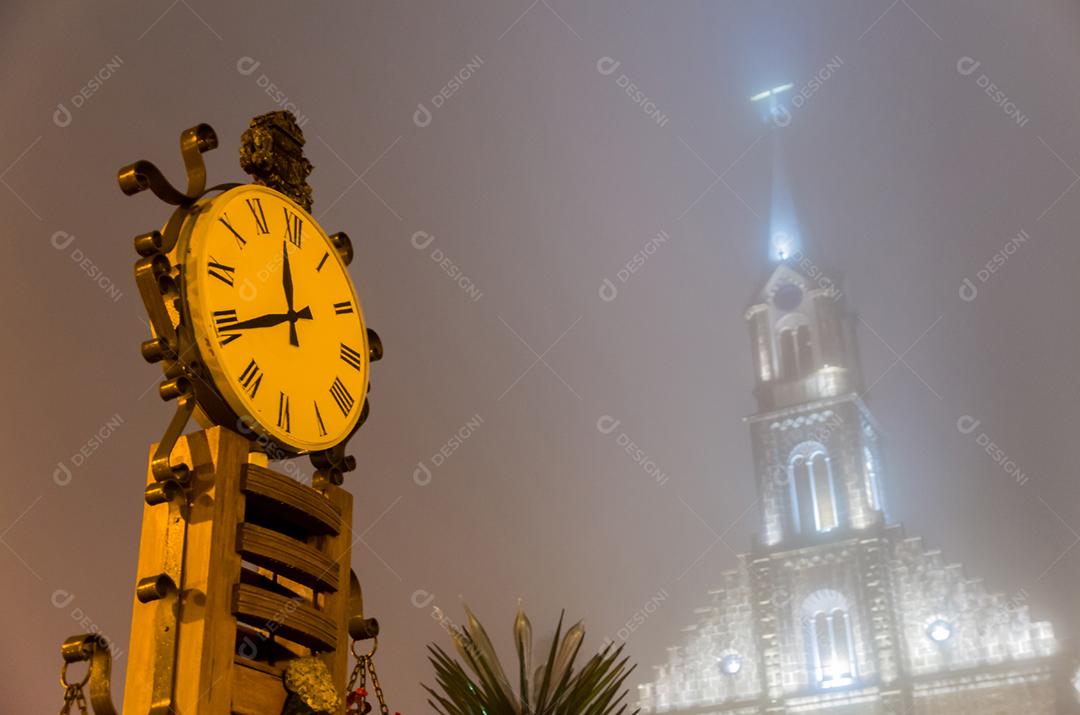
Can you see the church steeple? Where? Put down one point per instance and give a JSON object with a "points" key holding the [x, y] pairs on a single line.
{"points": [[815, 442], [801, 345]]}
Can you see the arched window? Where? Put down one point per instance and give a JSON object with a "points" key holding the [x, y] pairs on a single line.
{"points": [[789, 359], [873, 493], [830, 642], [813, 496], [796, 355]]}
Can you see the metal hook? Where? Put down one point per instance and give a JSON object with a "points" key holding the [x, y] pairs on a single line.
{"points": [[90, 647]]}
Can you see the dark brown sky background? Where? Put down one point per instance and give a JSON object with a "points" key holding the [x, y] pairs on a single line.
{"points": [[540, 178]]}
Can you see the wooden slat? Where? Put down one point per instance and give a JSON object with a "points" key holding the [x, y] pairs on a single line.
{"points": [[295, 620], [287, 556], [256, 692], [254, 578], [280, 497]]}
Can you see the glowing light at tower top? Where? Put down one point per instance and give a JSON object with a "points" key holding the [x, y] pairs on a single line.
{"points": [[784, 235]]}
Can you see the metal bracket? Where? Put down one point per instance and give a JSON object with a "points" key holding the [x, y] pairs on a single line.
{"points": [[93, 648], [165, 588], [180, 389], [360, 628]]}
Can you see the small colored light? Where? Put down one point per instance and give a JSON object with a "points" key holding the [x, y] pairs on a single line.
{"points": [[731, 664], [782, 88], [761, 95]]}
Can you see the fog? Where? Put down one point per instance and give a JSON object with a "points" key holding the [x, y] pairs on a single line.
{"points": [[560, 214]]}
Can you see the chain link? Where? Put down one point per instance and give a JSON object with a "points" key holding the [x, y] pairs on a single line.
{"points": [[365, 665], [378, 689], [73, 692], [73, 695]]}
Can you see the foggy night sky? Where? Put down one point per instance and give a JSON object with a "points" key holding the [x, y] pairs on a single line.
{"points": [[539, 178]]}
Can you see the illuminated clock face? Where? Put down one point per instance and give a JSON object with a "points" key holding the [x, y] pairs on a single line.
{"points": [[788, 297], [276, 318]]}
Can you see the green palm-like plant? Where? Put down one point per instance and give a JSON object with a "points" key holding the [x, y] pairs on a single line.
{"points": [[555, 688]]}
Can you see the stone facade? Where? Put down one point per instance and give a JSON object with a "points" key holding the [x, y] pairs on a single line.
{"points": [[835, 610]]}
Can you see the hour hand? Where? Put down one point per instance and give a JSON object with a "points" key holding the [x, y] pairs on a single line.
{"points": [[263, 321]]}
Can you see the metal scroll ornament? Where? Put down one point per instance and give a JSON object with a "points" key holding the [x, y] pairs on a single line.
{"points": [[271, 152]]}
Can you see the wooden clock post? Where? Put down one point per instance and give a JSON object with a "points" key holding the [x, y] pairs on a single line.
{"points": [[244, 583]]}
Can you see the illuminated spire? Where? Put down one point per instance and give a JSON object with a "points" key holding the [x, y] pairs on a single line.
{"points": [[784, 236]]}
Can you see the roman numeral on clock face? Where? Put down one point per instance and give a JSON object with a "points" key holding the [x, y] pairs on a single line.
{"points": [[293, 227], [341, 396], [220, 271], [223, 322], [343, 308], [283, 411], [260, 218], [322, 261], [318, 420], [240, 240], [351, 357], [251, 378]]}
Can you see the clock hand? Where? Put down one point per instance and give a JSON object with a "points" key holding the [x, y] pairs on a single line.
{"points": [[263, 321], [287, 285], [269, 320]]}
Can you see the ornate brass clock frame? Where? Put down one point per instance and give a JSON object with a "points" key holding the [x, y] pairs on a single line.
{"points": [[243, 572], [271, 151]]}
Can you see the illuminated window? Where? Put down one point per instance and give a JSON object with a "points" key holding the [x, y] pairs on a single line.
{"points": [[813, 497], [873, 494], [796, 356], [830, 642]]}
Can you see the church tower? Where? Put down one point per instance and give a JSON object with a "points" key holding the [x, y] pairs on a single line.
{"points": [[824, 617], [835, 610]]}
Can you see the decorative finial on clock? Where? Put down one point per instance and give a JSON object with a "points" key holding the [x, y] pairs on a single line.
{"points": [[272, 153]]}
